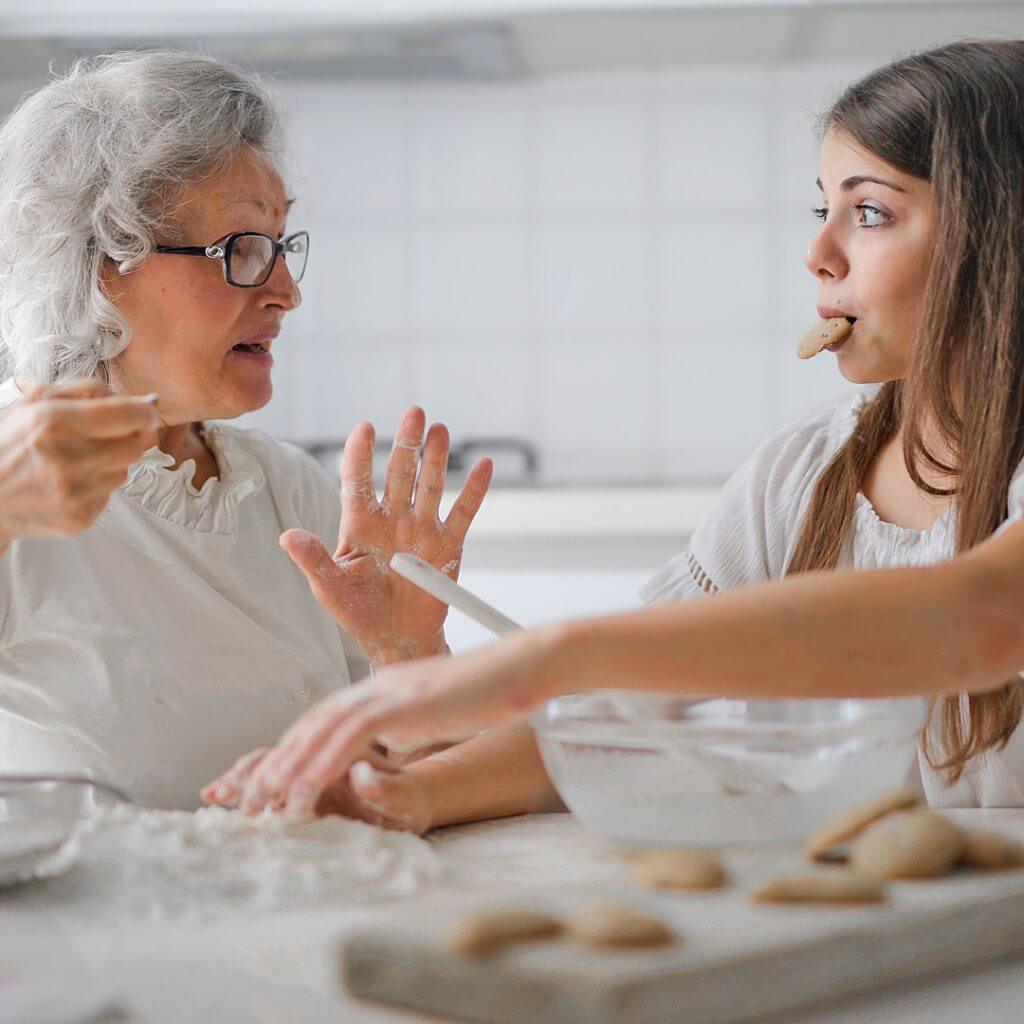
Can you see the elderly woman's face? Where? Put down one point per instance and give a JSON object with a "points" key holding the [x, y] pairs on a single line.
{"points": [[186, 319]]}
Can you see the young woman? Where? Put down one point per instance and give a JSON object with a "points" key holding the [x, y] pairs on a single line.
{"points": [[921, 247]]}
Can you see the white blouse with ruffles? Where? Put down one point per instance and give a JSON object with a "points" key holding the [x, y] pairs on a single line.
{"points": [[174, 634], [752, 532]]}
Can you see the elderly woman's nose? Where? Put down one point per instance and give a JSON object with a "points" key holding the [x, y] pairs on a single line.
{"points": [[280, 289]]}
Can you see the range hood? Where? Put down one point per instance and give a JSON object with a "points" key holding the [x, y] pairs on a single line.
{"points": [[494, 39], [436, 50]]}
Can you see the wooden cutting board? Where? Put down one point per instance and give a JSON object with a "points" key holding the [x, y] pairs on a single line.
{"points": [[736, 961]]}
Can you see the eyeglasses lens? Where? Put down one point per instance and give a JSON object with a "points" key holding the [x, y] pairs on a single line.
{"points": [[251, 259], [295, 255]]}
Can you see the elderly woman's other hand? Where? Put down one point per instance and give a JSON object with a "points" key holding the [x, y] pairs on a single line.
{"points": [[392, 619], [64, 449]]}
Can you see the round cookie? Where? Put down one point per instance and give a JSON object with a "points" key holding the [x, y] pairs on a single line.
{"points": [[992, 851], [831, 887], [487, 931], [854, 820], [908, 845], [677, 869], [612, 926], [823, 334]]}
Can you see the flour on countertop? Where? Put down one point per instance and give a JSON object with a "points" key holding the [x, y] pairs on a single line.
{"points": [[173, 863]]}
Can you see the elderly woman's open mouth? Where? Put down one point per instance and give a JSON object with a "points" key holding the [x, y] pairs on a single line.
{"points": [[255, 348]]}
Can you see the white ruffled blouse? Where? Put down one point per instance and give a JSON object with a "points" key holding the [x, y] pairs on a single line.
{"points": [[751, 534], [174, 634]]}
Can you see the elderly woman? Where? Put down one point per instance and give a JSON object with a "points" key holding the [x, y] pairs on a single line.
{"points": [[151, 628]]}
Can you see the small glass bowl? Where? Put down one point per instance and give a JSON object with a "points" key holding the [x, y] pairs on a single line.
{"points": [[38, 815], [656, 769]]}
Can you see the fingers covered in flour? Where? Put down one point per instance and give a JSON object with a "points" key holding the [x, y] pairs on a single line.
{"points": [[226, 789], [293, 767], [470, 498], [429, 698], [404, 461]]}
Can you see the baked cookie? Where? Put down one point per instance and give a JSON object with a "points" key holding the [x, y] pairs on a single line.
{"points": [[831, 887], [612, 926], [677, 869], [854, 820], [992, 851], [487, 931], [908, 844], [823, 334]]}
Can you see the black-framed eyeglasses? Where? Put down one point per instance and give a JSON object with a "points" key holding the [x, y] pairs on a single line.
{"points": [[249, 256]]}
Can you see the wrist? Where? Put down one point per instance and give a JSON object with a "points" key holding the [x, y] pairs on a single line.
{"points": [[388, 652], [560, 653], [493, 775], [434, 781]]}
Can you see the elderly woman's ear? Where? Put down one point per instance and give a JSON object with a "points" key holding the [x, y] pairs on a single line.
{"points": [[110, 274]]}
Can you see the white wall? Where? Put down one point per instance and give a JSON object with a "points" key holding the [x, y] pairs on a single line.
{"points": [[606, 265], [609, 266]]}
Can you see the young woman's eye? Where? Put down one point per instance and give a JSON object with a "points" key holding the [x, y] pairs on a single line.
{"points": [[821, 212], [871, 216]]}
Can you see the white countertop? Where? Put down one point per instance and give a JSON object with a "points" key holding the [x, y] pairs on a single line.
{"points": [[283, 968], [591, 511]]}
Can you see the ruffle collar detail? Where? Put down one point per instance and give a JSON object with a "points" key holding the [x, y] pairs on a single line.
{"points": [[905, 536], [168, 492]]}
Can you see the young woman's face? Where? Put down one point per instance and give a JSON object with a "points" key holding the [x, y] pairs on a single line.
{"points": [[870, 257], [186, 320]]}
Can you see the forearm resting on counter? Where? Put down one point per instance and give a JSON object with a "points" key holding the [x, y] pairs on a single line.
{"points": [[494, 775], [942, 629]]}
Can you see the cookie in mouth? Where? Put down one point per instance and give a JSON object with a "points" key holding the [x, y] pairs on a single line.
{"points": [[825, 334]]}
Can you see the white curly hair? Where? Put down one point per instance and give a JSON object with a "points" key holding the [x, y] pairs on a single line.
{"points": [[89, 167]]}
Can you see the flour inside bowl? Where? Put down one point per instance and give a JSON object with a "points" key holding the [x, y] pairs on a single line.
{"points": [[171, 863]]}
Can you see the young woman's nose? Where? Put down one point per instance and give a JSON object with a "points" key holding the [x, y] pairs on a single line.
{"points": [[824, 256]]}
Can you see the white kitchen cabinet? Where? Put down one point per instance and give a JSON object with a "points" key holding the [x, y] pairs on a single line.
{"points": [[534, 597], [548, 35], [544, 555], [582, 529], [104, 13]]}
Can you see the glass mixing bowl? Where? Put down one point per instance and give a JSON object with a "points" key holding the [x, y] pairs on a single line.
{"points": [[38, 815], [656, 769]]}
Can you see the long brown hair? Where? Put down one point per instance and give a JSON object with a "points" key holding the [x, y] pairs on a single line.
{"points": [[955, 117]]}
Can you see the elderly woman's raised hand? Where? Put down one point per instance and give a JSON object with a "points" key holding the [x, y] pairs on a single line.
{"points": [[392, 619], [64, 449]]}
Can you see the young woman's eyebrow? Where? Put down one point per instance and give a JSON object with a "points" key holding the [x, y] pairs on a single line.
{"points": [[858, 179]]}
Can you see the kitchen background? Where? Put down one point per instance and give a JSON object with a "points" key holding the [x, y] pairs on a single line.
{"points": [[574, 235]]}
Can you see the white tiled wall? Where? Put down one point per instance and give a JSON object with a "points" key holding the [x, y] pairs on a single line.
{"points": [[609, 266]]}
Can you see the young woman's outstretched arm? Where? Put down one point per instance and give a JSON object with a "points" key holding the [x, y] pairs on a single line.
{"points": [[942, 629]]}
